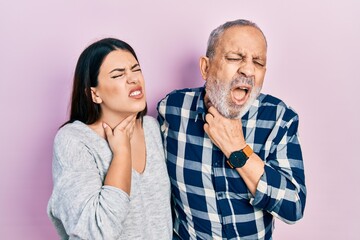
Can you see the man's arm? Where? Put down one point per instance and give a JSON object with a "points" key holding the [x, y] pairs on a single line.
{"points": [[277, 184], [227, 134]]}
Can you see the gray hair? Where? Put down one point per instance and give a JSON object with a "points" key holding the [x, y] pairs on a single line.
{"points": [[217, 33]]}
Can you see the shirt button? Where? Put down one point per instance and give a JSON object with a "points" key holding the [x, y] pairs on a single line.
{"points": [[217, 163], [220, 195]]}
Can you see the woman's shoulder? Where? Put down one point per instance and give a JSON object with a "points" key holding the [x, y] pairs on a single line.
{"points": [[72, 128], [151, 127], [71, 132], [149, 118], [150, 122]]}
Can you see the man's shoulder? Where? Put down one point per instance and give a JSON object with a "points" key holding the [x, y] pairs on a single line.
{"points": [[176, 97], [268, 101], [186, 91]]}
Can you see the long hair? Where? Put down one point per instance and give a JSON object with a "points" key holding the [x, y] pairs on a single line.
{"points": [[86, 76]]}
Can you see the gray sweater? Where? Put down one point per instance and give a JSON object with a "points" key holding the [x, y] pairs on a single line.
{"points": [[80, 206]]}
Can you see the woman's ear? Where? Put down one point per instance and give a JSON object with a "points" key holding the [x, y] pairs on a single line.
{"points": [[95, 97], [204, 67]]}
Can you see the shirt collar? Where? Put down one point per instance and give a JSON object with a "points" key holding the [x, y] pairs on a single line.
{"points": [[200, 105]]}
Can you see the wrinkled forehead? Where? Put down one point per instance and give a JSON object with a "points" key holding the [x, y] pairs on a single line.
{"points": [[119, 58], [237, 38]]}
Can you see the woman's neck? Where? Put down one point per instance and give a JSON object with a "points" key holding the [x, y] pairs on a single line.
{"points": [[111, 121]]}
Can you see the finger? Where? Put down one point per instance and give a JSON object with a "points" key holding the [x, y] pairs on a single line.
{"points": [[132, 128], [130, 120], [206, 128], [108, 130], [130, 125], [125, 122], [209, 117], [208, 132], [213, 111]]}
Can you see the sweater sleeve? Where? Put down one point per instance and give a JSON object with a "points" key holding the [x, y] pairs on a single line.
{"points": [[86, 208]]}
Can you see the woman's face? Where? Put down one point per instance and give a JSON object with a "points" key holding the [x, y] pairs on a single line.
{"points": [[121, 88]]}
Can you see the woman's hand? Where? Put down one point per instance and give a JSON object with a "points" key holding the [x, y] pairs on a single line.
{"points": [[119, 172], [120, 136]]}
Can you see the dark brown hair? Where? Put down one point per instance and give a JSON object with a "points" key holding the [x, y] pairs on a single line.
{"points": [[86, 76]]}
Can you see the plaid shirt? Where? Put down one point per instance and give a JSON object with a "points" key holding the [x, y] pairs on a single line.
{"points": [[210, 199]]}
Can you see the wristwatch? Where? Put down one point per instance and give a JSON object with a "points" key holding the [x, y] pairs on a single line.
{"points": [[238, 158]]}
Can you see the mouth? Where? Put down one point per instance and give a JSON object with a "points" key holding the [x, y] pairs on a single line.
{"points": [[136, 93], [240, 94]]}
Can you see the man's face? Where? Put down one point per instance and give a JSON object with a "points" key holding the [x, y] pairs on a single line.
{"points": [[236, 72]]}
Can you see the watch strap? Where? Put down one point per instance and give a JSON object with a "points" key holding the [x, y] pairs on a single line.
{"points": [[247, 150]]}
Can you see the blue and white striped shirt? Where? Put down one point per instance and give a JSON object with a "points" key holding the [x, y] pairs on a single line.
{"points": [[210, 199]]}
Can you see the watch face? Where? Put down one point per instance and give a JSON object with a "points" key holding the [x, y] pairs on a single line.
{"points": [[238, 159]]}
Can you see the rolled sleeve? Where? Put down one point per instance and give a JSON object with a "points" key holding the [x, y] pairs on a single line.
{"points": [[281, 189]]}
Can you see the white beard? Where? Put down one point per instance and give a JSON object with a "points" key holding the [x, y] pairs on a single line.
{"points": [[219, 95]]}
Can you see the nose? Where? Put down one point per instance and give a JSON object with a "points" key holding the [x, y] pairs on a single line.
{"points": [[132, 78], [247, 69]]}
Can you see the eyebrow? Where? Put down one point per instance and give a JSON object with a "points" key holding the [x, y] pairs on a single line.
{"points": [[256, 56], [235, 53], [135, 65], [259, 58], [123, 69], [118, 69]]}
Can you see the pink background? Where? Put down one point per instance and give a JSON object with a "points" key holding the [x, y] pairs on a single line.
{"points": [[313, 65]]}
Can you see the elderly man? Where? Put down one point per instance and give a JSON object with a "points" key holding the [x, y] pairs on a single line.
{"points": [[233, 153]]}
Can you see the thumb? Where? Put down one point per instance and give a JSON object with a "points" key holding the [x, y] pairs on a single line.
{"points": [[206, 128], [108, 130]]}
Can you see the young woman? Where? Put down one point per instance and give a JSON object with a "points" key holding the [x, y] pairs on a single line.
{"points": [[110, 178]]}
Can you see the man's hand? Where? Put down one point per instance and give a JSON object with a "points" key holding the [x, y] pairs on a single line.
{"points": [[225, 133]]}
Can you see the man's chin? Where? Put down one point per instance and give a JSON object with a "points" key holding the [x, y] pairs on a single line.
{"points": [[237, 112], [241, 111], [236, 115], [230, 113]]}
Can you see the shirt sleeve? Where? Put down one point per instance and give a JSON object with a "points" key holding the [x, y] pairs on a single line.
{"points": [[281, 189], [161, 108], [86, 208], [161, 111]]}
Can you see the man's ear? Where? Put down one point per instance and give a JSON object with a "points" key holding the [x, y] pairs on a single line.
{"points": [[204, 67], [95, 97]]}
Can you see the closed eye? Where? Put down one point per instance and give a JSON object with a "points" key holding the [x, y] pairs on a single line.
{"points": [[137, 70], [259, 64], [117, 76], [233, 59]]}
